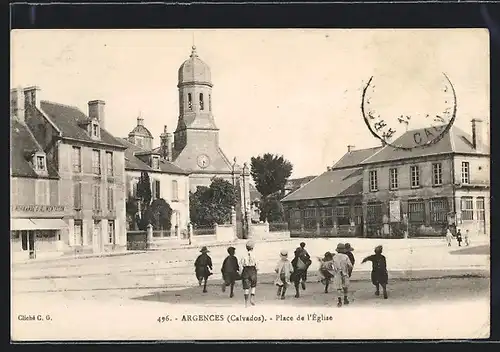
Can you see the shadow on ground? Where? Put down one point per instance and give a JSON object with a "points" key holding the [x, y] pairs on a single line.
{"points": [[477, 250], [401, 292]]}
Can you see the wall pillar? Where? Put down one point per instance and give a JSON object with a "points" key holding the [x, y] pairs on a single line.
{"points": [[365, 215], [149, 232]]}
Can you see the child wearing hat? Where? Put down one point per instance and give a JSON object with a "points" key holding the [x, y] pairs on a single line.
{"points": [[283, 270], [203, 267], [348, 252], [379, 274], [230, 271], [342, 267], [248, 266], [326, 271]]}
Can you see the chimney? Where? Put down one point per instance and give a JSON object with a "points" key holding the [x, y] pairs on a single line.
{"points": [[350, 148], [478, 134], [17, 103], [96, 111], [328, 168], [32, 97], [166, 144]]}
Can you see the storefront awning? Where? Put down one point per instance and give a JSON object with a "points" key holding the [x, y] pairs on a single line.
{"points": [[37, 224]]}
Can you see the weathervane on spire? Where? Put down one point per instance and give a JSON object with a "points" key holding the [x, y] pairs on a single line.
{"points": [[193, 52]]}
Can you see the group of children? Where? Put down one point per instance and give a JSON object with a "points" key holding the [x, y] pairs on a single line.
{"points": [[449, 237], [334, 268]]}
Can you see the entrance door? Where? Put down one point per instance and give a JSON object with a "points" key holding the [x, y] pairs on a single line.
{"points": [[97, 238], [28, 242]]}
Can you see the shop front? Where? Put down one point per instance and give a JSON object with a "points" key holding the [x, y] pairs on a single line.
{"points": [[37, 231]]}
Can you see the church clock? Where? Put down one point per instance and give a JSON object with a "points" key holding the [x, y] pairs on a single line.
{"points": [[203, 161]]}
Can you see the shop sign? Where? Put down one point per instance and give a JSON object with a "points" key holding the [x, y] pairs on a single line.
{"points": [[38, 208]]}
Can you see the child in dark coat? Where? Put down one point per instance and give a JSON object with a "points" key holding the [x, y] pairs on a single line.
{"points": [[299, 270], [459, 238], [348, 252], [230, 271], [379, 270], [306, 258], [203, 267]]}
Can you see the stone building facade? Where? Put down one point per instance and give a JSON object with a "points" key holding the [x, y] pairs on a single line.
{"points": [[90, 166], [393, 191]]}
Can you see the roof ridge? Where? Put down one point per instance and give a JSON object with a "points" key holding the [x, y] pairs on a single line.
{"points": [[371, 156], [290, 194], [60, 104]]}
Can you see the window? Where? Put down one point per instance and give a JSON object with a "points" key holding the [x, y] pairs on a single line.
{"points": [[175, 190], [96, 162], [109, 163], [42, 192], [358, 214], [190, 102], [310, 218], [139, 141], [95, 130], [78, 233], [40, 162], [210, 102], [77, 196], [465, 172], [295, 220], [156, 192], [155, 163], [97, 197], [202, 103], [373, 181], [393, 175], [437, 174], [416, 211], [374, 213], [439, 210], [111, 198], [480, 208], [415, 176], [466, 206], [342, 213], [111, 232], [77, 159], [326, 216]]}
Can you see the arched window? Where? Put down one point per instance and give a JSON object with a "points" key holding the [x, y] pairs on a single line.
{"points": [[210, 102], [202, 104], [190, 102]]}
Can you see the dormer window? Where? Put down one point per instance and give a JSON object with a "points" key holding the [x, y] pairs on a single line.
{"points": [[155, 162], [40, 162], [96, 131]]}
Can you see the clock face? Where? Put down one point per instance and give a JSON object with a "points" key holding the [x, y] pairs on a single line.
{"points": [[203, 161]]}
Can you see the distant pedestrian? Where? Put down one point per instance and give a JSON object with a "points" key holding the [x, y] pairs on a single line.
{"points": [[203, 267], [466, 238], [326, 271], [379, 274], [306, 258], [449, 237], [283, 271], [248, 266], [348, 252], [459, 238], [230, 271], [341, 266]]}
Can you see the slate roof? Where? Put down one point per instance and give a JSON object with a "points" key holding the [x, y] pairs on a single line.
{"points": [[134, 163], [68, 119], [141, 130], [22, 142], [355, 157], [454, 141], [333, 183]]}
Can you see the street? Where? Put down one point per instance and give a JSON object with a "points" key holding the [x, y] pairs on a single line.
{"points": [[428, 283]]}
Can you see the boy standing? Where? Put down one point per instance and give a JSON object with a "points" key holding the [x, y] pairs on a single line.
{"points": [[306, 258], [342, 266], [348, 252], [248, 266], [230, 271], [203, 267], [283, 270]]}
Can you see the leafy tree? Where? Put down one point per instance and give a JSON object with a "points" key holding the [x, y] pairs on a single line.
{"points": [[131, 209], [144, 190], [271, 208], [161, 214], [270, 173], [211, 205]]}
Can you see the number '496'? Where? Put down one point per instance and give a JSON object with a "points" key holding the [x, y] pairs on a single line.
{"points": [[163, 319]]}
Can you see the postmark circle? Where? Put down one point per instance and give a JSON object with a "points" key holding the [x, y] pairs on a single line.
{"points": [[427, 123]]}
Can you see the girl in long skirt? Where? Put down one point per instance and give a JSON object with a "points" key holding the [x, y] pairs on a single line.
{"points": [[379, 274], [249, 269], [283, 271], [326, 271], [342, 267], [203, 267]]}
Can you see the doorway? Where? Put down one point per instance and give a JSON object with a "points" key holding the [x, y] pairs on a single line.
{"points": [[97, 238], [28, 242]]}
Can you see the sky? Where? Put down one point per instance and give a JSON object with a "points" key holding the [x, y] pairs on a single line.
{"points": [[292, 92]]}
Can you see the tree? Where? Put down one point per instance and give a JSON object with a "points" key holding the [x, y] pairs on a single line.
{"points": [[271, 208], [161, 214], [131, 208], [144, 190], [211, 205], [270, 173]]}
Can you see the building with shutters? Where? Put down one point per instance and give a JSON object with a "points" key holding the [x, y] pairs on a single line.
{"points": [[384, 191], [88, 163]]}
